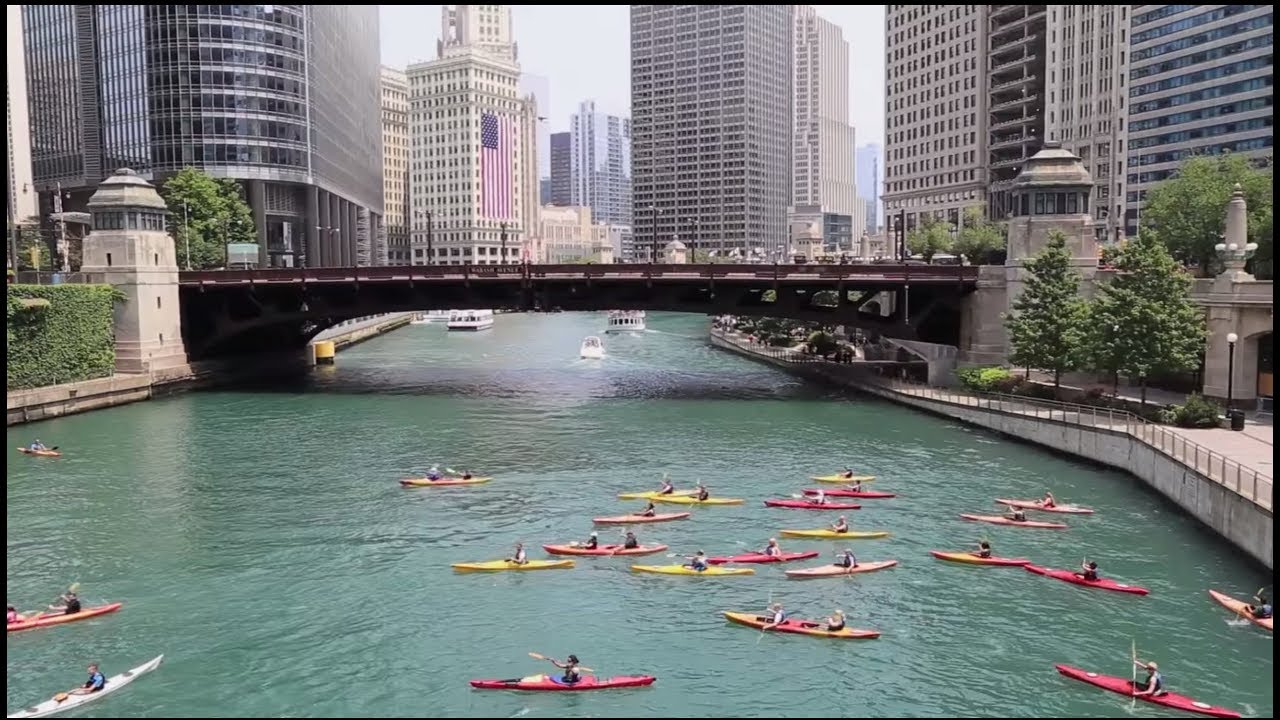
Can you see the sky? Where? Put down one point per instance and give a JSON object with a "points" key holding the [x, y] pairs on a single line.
{"points": [[583, 51]]}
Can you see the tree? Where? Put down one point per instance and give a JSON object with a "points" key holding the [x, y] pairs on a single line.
{"points": [[929, 239], [209, 213], [1189, 210], [1143, 322], [1047, 327], [34, 252], [980, 241], [822, 343]]}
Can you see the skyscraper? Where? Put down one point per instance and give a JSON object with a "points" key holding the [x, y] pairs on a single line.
{"points": [[822, 149], [711, 95], [540, 88], [395, 163], [21, 197], [869, 160], [600, 164], [284, 98], [561, 169]]}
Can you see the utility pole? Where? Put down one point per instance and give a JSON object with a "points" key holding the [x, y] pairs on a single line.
{"points": [[62, 228], [430, 249], [186, 232]]}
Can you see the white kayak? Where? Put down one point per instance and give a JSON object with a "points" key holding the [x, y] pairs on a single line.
{"points": [[53, 707]]}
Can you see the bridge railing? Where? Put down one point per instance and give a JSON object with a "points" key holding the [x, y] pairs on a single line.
{"points": [[44, 277]]}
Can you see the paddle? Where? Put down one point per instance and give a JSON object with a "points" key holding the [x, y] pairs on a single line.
{"points": [[538, 656], [1133, 673]]}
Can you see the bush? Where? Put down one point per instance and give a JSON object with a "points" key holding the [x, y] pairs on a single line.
{"points": [[1197, 412], [987, 379], [778, 340], [821, 343], [69, 339]]}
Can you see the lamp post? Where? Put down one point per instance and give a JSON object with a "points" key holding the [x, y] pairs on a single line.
{"points": [[1233, 256], [1232, 338], [186, 231], [502, 236], [653, 255]]}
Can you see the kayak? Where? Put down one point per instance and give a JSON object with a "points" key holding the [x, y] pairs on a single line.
{"points": [[39, 453], [651, 494], [57, 618], [1101, 583], [500, 565], [807, 505], [1124, 686], [53, 707], [846, 492], [634, 519], [1035, 505], [554, 684], [1240, 608], [973, 559], [695, 501], [800, 627], [686, 570], [761, 558], [833, 535], [834, 570], [605, 550], [445, 482], [843, 478], [1002, 520]]}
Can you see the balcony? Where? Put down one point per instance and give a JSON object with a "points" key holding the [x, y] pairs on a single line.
{"points": [[1013, 141], [1014, 83], [1006, 64], [1013, 122], [1012, 44], [1024, 99]]}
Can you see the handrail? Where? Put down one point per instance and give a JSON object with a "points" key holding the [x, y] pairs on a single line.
{"points": [[1247, 482]]}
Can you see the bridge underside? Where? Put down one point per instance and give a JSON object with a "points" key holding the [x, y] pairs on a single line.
{"points": [[244, 319]]}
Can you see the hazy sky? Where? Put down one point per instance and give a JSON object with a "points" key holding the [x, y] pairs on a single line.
{"points": [[583, 50]]}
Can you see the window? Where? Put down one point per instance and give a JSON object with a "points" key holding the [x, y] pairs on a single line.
{"points": [[108, 259]]}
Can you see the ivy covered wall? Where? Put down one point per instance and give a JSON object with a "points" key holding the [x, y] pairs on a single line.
{"points": [[67, 338]]}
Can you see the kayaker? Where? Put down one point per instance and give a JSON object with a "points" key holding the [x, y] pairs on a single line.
{"points": [[847, 560], [37, 446], [772, 549], [13, 616], [1016, 515], [1048, 500], [841, 525], [70, 604], [1154, 684], [984, 550], [697, 561], [433, 474], [848, 473], [703, 492], [1263, 609], [592, 542], [649, 510], [856, 486], [466, 474], [667, 487], [520, 557], [570, 667], [96, 682], [630, 543], [777, 616], [1088, 571], [835, 623], [819, 497]]}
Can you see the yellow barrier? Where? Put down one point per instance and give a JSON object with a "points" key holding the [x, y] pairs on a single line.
{"points": [[325, 352]]}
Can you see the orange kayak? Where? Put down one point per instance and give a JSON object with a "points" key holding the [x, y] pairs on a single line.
{"points": [[39, 453], [1002, 520], [635, 519], [1240, 608], [49, 619], [838, 570]]}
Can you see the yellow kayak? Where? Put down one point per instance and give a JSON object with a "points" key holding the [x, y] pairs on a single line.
{"points": [[838, 478], [695, 501], [685, 570], [651, 494], [833, 535], [500, 565], [443, 482]]}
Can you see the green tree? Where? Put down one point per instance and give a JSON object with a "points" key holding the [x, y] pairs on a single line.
{"points": [[1047, 326], [980, 241], [209, 213], [929, 239], [822, 343], [1189, 210], [1143, 322], [34, 252]]}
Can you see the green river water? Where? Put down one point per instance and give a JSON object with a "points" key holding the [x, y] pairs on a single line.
{"points": [[259, 540]]}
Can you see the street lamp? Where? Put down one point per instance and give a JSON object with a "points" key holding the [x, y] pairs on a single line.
{"points": [[1234, 257], [1231, 370], [653, 256], [502, 259]]}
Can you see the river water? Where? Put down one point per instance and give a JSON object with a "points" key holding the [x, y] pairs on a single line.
{"points": [[259, 540]]}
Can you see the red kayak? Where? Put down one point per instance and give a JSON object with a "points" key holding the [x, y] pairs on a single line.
{"points": [[608, 550], [1035, 505], [866, 494], [549, 683], [1002, 520], [1124, 686], [47, 619], [762, 558], [1101, 583], [972, 558], [807, 505], [634, 519]]}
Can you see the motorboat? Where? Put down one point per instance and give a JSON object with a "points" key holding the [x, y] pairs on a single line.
{"points": [[430, 318], [626, 321], [592, 349], [470, 320]]}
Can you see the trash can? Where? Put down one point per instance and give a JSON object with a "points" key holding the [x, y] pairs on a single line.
{"points": [[1237, 419]]}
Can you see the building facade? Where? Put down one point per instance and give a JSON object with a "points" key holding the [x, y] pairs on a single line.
{"points": [[283, 98], [539, 88], [867, 164], [823, 140], [395, 163], [569, 235], [711, 125], [21, 205], [600, 164], [1016, 57], [561, 169]]}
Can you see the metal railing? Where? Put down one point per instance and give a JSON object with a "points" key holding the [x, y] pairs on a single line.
{"points": [[1245, 481], [44, 277]]}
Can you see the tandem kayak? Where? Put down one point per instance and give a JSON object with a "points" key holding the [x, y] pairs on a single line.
{"points": [[39, 453], [1101, 583], [69, 702], [1240, 608], [836, 570], [544, 683], [833, 535], [686, 570], [671, 500], [49, 619], [1002, 520], [501, 565], [634, 519], [651, 494], [761, 558], [838, 478], [443, 482], [1124, 686], [1035, 505], [846, 492], [604, 550], [800, 627], [808, 505], [973, 559]]}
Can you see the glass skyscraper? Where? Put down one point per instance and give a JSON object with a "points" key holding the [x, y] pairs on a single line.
{"points": [[284, 98]]}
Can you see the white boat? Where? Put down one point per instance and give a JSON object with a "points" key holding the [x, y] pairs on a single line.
{"points": [[53, 707], [625, 321], [430, 318], [470, 320], [592, 349]]}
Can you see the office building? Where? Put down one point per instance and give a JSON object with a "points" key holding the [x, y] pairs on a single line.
{"points": [[600, 164], [870, 226], [21, 205], [544, 185], [711, 96], [395, 163], [1016, 57], [539, 88], [823, 140], [867, 163], [1200, 82], [570, 235], [561, 169], [470, 142], [283, 98]]}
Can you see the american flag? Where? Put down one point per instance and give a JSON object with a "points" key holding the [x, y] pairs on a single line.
{"points": [[496, 173]]}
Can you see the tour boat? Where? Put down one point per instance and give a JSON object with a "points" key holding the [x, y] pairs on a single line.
{"points": [[592, 349], [470, 320], [430, 318], [625, 321]]}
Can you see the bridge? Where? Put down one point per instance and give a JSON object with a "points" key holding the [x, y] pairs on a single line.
{"points": [[232, 312]]}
